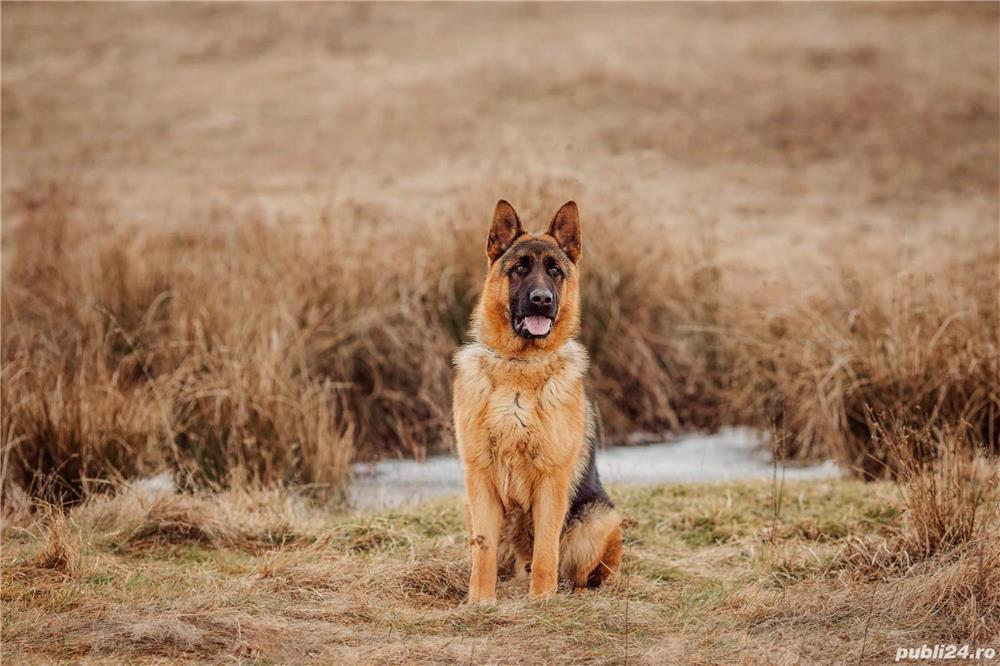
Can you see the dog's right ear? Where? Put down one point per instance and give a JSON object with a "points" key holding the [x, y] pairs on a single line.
{"points": [[504, 231]]}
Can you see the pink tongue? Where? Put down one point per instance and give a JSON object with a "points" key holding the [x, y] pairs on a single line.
{"points": [[537, 324]]}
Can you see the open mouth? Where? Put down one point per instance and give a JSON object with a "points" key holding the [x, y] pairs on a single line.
{"points": [[533, 326]]}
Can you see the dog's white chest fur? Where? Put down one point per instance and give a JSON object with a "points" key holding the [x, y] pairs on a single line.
{"points": [[511, 413], [513, 396], [521, 406]]}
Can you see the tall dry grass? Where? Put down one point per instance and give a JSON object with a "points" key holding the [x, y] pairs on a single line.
{"points": [[181, 351], [248, 348], [844, 363]]}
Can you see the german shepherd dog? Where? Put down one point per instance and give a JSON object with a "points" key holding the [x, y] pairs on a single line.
{"points": [[525, 429]]}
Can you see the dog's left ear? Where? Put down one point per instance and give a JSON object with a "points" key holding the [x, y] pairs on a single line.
{"points": [[565, 228]]}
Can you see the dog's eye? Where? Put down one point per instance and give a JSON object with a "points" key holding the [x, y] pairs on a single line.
{"points": [[555, 272], [520, 269]]}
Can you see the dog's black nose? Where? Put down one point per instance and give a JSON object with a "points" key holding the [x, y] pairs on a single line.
{"points": [[540, 296]]}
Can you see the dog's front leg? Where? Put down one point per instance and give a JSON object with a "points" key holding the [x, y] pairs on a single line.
{"points": [[548, 511], [484, 536]]}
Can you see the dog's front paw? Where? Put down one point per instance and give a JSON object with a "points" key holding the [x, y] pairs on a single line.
{"points": [[481, 601], [542, 592], [543, 584]]}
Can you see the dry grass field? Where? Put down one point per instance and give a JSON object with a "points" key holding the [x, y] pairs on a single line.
{"points": [[735, 574], [241, 242]]}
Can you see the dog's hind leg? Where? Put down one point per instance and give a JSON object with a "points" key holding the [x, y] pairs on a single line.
{"points": [[591, 546]]}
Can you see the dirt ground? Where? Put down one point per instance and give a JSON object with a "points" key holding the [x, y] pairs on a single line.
{"points": [[790, 132]]}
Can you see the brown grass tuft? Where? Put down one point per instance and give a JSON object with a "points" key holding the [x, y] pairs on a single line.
{"points": [[435, 579], [951, 494], [246, 519], [62, 548], [944, 559]]}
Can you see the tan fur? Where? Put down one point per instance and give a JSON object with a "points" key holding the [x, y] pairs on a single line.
{"points": [[520, 420], [591, 547]]}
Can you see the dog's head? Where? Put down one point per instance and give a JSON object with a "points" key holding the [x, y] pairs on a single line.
{"points": [[531, 299]]}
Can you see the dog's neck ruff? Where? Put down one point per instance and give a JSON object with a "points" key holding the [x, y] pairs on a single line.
{"points": [[570, 351], [540, 356], [513, 359]]}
